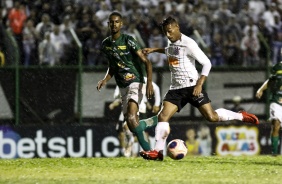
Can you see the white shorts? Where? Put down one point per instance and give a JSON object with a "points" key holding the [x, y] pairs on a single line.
{"points": [[275, 112], [131, 92]]}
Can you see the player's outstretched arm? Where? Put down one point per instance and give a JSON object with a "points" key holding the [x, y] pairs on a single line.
{"points": [[261, 89], [147, 51], [104, 81]]}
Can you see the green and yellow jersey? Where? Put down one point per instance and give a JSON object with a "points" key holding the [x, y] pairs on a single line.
{"points": [[122, 58], [275, 82]]}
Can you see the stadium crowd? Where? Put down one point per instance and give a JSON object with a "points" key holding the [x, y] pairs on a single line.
{"points": [[231, 32]]}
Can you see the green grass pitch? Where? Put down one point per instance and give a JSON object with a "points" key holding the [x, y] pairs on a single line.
{"points": [[191, 169]]}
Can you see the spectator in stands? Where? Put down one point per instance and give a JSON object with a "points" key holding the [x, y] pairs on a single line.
{"points": [[192, 143], [209, 16], [269, 15], [44, 26], [92, 46], [103, 13], [250, 25], [66, 26], [233, 27], [97, 26], [232, 51], [216, 26], [156, 36], [47, 51], [242, 17], [250, 47], [120, 7], [257, 7], [83, 28], [265, 37], [216, 50], [59, 40], [223, 12], [30, 38], [45, 9], [134, 8], [17, 17]]}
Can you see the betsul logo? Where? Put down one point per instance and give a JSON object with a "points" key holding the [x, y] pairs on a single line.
{"points": [[13, 146]]}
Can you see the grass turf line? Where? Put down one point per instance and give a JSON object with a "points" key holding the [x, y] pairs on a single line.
{"points": [[213, 169]]}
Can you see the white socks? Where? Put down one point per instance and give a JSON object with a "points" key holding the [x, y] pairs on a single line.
{"points": [[226, 115], [162, 131]]}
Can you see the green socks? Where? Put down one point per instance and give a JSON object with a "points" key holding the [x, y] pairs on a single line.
{"points": [[152, 121], [274, 145], [141, 135]]}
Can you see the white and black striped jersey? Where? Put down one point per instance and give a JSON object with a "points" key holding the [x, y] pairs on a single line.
{"points": [[182, 55]]}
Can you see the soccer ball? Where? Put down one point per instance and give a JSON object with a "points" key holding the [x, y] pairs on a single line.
{"points": [[177, 149]]}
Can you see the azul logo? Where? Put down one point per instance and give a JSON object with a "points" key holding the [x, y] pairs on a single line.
{"points": [[237, 141], [42, 147]]}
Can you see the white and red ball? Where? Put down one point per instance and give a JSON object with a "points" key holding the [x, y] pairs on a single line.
{"points": [[177, 149]]}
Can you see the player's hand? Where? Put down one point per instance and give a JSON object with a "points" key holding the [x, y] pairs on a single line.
{"points": [[155, 109], [100, 84], [146, 51], [197, 90], [259, 94], [149, 90]]}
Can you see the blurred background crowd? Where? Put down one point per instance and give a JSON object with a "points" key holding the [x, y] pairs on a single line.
{"points": [[231, 32]]}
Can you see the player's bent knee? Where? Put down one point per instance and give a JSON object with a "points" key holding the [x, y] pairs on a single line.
{"points": [[276, 125], [163, 117], [212, 118], [132, 120]]}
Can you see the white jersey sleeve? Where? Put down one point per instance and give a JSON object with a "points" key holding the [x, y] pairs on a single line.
{"points": [[201, 57]]}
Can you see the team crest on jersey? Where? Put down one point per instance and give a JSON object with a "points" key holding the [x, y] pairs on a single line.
{"points": [[129, 76], [176, 50], [121, 64]]}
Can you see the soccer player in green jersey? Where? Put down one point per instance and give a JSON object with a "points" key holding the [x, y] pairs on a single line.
{"points": [[125, 62], [274, 84]]}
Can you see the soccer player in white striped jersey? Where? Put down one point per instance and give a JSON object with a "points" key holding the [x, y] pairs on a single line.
{"points": [[186, 86]]}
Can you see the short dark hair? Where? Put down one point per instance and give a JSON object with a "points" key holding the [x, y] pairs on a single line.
{"points": [[115, 14], [168, 20]]}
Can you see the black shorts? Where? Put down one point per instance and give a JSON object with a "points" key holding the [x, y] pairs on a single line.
{"points": [[180, 97]]}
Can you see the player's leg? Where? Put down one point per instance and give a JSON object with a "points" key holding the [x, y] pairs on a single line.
{"points": [[222, 114], [162, 128], [129, 140], [276, 120], [131, 97], [275, 128], [134, 126], [203, 103], [121, 137], [149, 122], [121, 134], [161, 132]]}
